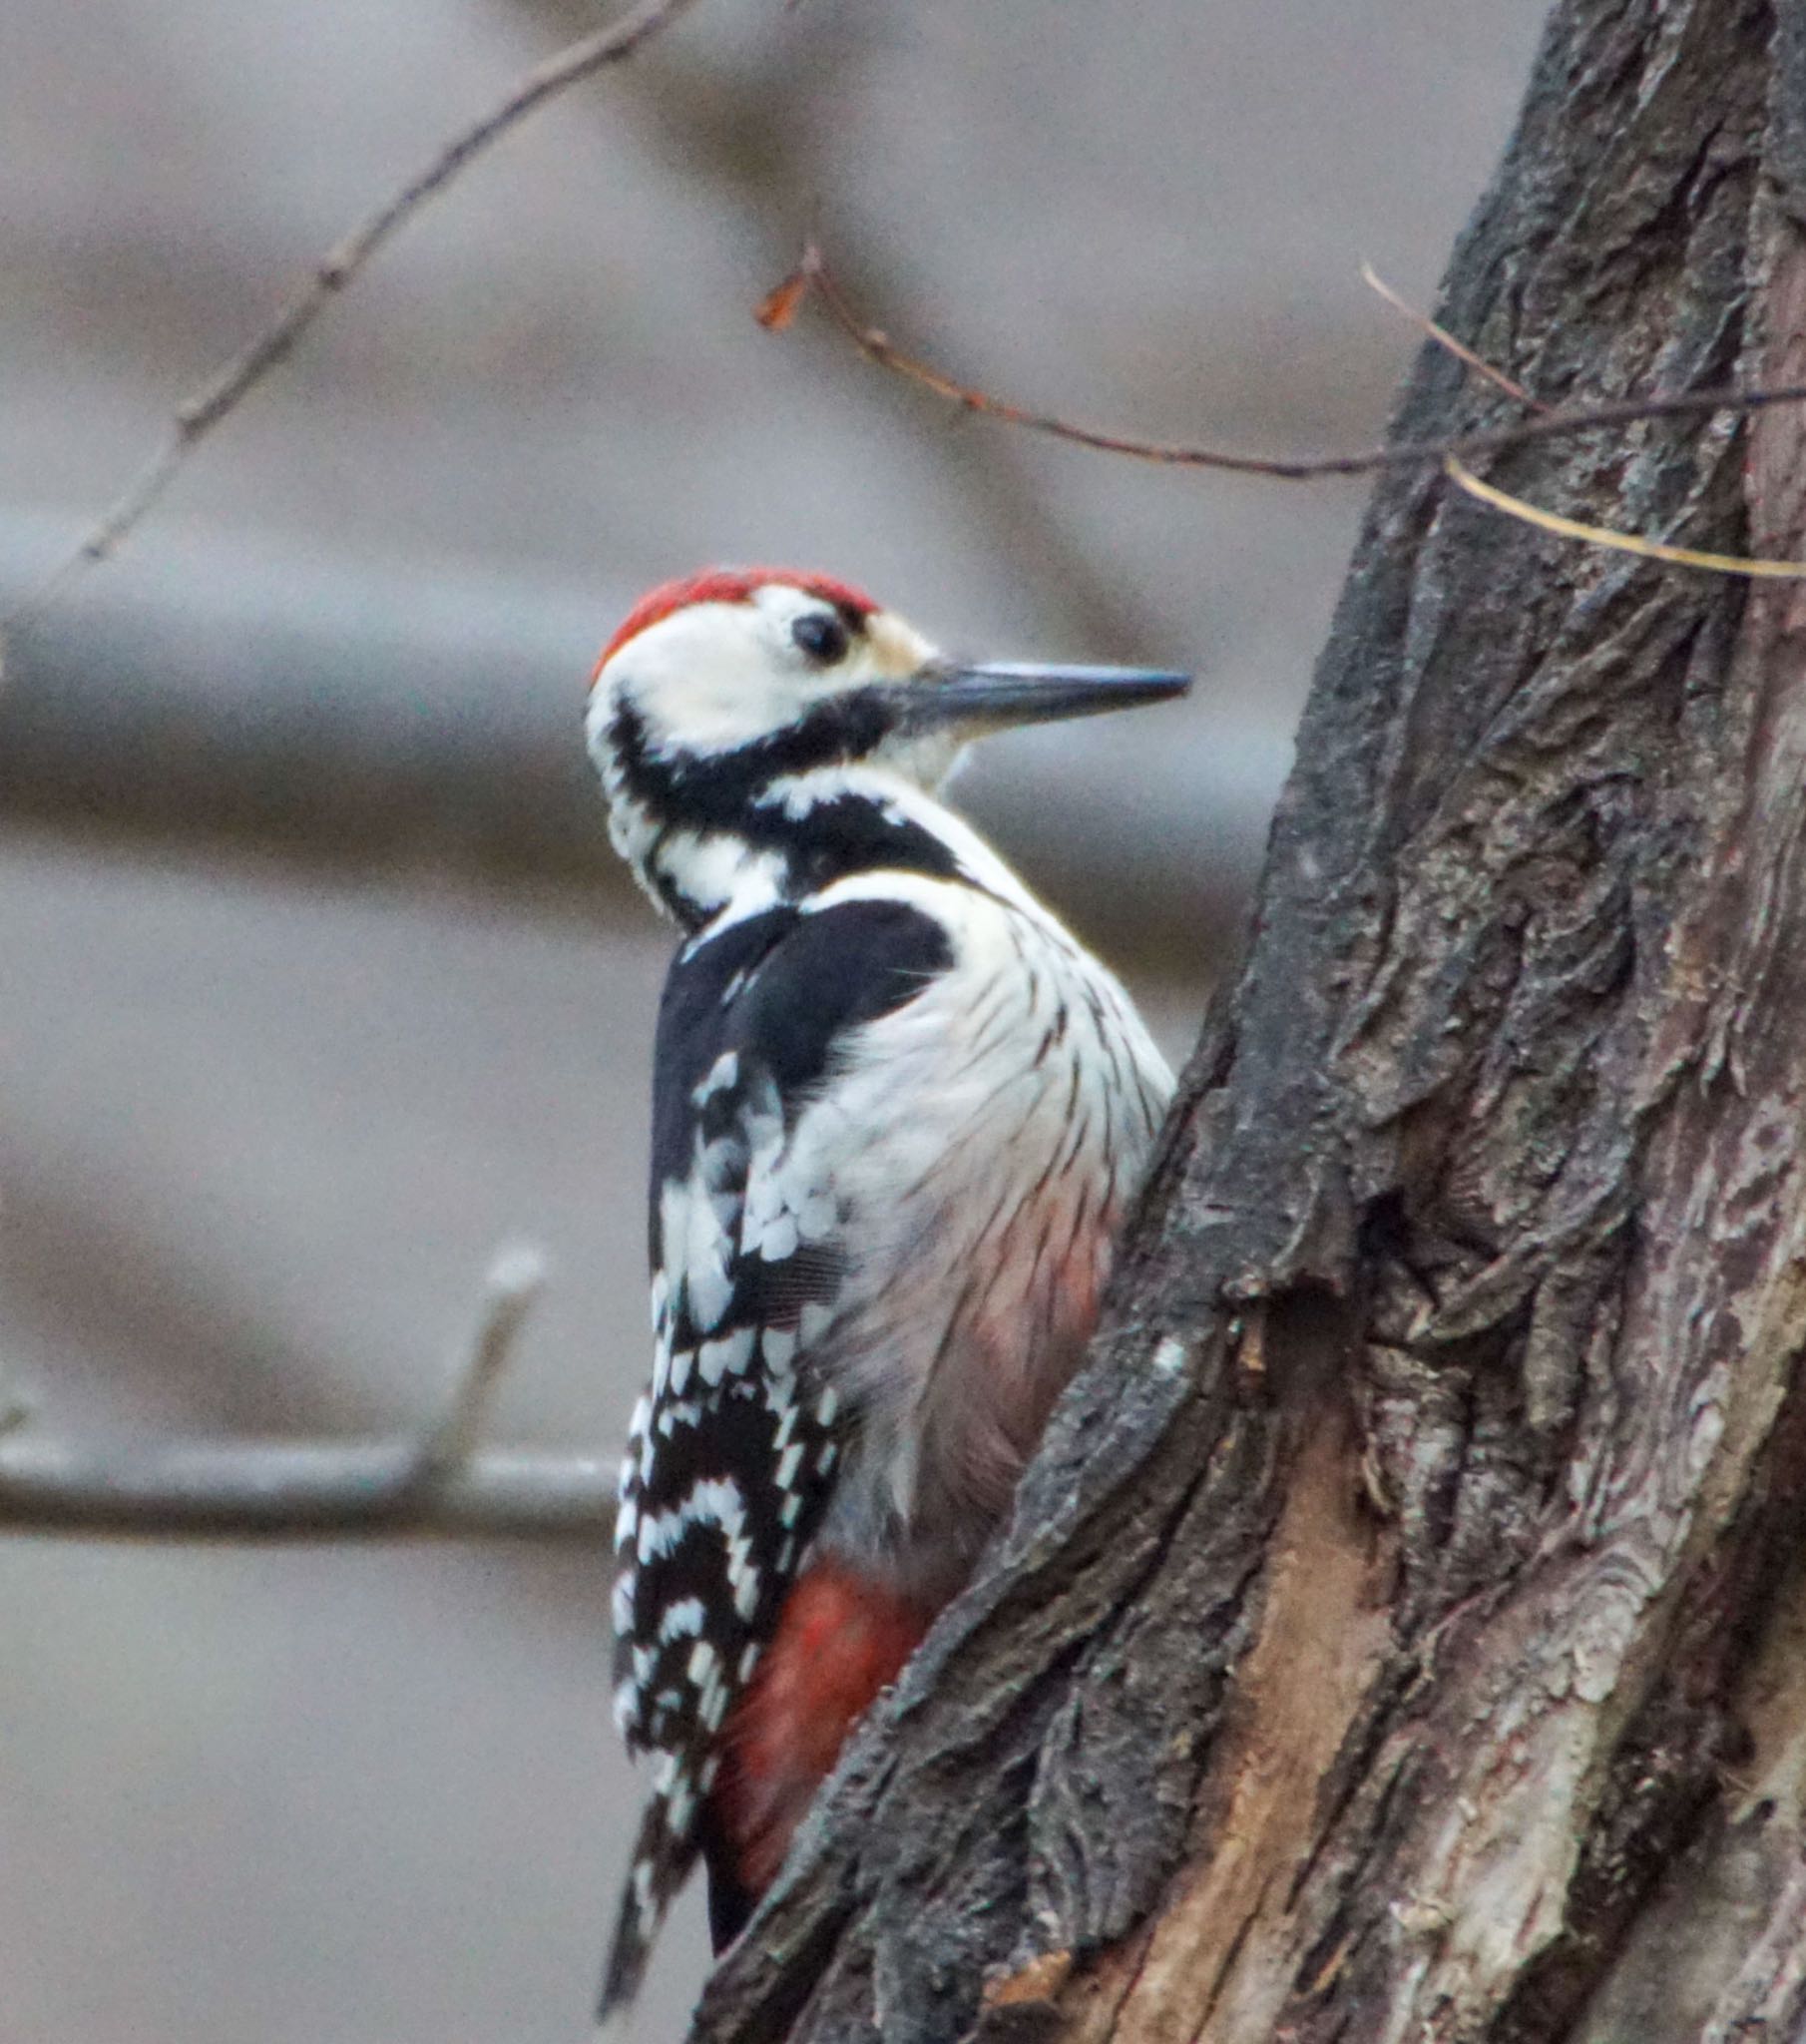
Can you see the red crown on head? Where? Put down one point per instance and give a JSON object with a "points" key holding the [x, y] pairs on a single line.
{"points": [[728, 585]]}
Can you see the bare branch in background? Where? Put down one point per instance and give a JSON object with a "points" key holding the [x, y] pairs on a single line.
{"points": [[516, 1279], [718, 119], [813, 275], [1567, 528], [436, 1483], [216, 400], [1445, 339], [300, 1490], [1757, 569]]}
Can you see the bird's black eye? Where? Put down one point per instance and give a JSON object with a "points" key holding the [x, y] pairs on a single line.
{"points": [[821, 635]]}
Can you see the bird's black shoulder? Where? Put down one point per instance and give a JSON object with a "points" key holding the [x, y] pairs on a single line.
{"points": [[776, 992], [835, 968]]}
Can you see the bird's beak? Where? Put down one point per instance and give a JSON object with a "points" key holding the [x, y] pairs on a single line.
{"points": [[948, 694]]}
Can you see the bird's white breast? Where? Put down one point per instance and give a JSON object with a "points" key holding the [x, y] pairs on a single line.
{"points": [[979, 1143]]}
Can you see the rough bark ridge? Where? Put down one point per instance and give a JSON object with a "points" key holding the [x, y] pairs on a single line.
{"points": [[1398, 1636]]}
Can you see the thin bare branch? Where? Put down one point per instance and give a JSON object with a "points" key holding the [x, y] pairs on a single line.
{"points": [[516, 1279], [300, 1490], [438, 1483], [1445, 341], [813, 273], [214, 402], [1755, 568]]}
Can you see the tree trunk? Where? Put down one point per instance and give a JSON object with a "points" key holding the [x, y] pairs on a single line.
{"points": [[1402, 1634]]}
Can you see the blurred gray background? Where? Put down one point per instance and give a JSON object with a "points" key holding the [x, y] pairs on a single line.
{"points": [[317, 980]]}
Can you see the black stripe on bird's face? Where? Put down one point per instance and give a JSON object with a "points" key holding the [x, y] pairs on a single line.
{"points": [[778, 796], [713, 790]]}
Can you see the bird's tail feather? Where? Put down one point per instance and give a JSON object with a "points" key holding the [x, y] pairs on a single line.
{"points": [[663, 1857]]}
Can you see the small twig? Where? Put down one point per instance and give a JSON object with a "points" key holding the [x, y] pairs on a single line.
{"points": [[1754, 566], [226, 389], [284, 1489], [516, 1279], [812, 273], [1445, 341]]}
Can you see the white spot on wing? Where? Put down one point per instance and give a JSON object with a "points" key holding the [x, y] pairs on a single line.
{"points": [[722, 1074], [681, 1618], [711, 1501], [818, 1215], [710, 1292], [680, 1807], [727, 1357], [776, 1240]]}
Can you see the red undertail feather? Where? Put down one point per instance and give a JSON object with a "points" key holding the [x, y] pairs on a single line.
{"points": [[841, 1640]]}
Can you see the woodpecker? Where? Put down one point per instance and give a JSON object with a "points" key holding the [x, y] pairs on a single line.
{"points": [[898, 1112]]}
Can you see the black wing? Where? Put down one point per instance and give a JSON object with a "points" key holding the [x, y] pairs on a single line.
{"points": [[733, 1448]]}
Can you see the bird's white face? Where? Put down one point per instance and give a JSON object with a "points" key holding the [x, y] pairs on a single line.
{"points": [[756, 729], [713, 677]]}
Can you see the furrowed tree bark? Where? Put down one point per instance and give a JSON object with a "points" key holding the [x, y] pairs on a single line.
{"points": [[1402, 1634]]}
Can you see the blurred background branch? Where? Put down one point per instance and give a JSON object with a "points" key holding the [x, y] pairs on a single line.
{"points": [[301, 1490], [814, 277], [442, 1481], [214, 401]]}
